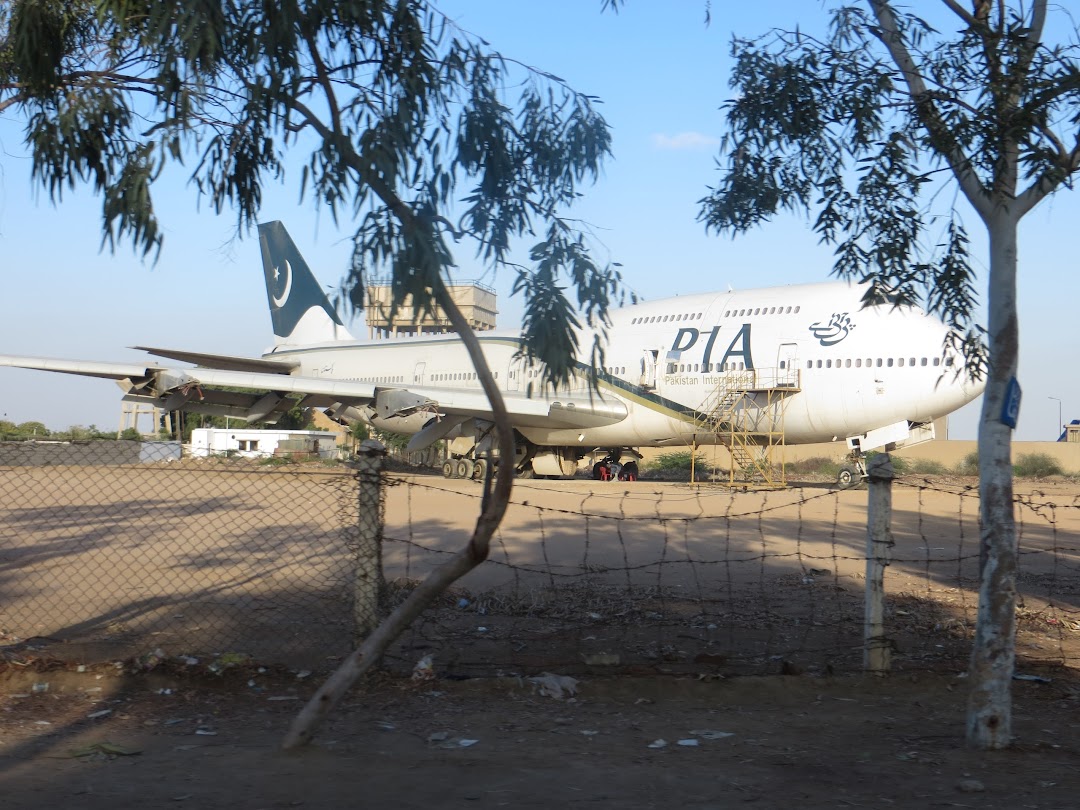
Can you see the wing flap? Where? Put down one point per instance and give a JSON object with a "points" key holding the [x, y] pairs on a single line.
{"points": [[341, 390], [580, 411], [223, 361], [565, 412]]}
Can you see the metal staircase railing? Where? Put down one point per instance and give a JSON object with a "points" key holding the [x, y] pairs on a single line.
{"points": [[745, 412], [716, 412]]}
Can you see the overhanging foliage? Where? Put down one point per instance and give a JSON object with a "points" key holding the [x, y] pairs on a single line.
{"points": [[393, 119]]}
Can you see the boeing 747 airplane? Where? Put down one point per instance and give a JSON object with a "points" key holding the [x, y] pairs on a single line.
{"points": [[808, 360]]}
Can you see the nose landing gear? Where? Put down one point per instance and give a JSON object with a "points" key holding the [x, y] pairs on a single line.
{"points": [[852, 473]]}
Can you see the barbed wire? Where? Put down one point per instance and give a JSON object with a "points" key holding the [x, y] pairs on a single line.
{"points": [[204, 558]]}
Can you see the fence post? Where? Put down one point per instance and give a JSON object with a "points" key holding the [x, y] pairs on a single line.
{"points": [[876, 646], [368, 575]]}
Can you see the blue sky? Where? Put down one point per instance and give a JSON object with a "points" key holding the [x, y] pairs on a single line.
{"points": [[662, 75]]}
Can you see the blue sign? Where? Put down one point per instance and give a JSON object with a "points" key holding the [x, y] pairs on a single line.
{"points": [[1010, 409]]}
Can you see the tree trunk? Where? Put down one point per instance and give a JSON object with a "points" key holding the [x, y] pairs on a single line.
{"points": [[989, 718], [493, 507]]}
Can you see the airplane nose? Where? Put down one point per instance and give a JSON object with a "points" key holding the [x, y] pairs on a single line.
{"points": [[968, 389], [973, 387]]}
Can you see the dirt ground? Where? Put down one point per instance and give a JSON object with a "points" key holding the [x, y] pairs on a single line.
{"points": [[738, 582], [771, 742], [108, 563]]}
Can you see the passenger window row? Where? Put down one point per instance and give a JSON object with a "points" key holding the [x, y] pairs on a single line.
{"points": [[731, 313], [888, 362], [738, 313], [858, 362], [693, 316], [460, 376], [680, 368]]}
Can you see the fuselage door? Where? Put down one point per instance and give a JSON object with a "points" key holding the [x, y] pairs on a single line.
{"points": [[649, 360], [514, 371], [418, 373], [787, 364]]}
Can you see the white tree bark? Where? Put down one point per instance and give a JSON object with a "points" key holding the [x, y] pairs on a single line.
{"points": [[989, 718]]}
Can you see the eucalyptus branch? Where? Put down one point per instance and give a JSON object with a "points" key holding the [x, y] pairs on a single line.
{"points": [[962, 13], [1058, 144], [1042, 99], [1035, 30], [455, 232], [926, 110], [100, 75], [1049, 180], [324, 80], [12, 101], [1018, 74], [954, 100]]}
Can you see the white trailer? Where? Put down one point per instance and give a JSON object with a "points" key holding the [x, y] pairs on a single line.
{"points": [[250, 443]]}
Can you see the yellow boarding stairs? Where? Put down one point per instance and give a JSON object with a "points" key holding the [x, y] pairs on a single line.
{"points": [[745, 412]]}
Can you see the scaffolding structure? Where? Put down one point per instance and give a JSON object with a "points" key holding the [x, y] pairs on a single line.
{"points": [[745, 414]]}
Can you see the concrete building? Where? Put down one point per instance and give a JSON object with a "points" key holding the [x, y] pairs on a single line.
{"points": [[476, 301], [1071, 432]]}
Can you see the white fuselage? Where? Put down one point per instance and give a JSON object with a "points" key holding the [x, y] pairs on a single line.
{"points": [[854, 369]]}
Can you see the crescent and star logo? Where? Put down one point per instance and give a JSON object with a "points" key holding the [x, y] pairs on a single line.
{"points": [[279, 302], [831, 333]]}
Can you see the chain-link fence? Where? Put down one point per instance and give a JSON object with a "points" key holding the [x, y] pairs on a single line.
{"points": [[206, 557], [101, 559], [704, 580]]}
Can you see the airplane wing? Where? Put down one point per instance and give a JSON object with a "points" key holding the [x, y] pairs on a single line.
{"points": [[84, 368], [223, 361], [265, 395]]}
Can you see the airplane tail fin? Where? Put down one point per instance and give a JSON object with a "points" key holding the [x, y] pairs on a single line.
{"points": [[299, 309]]}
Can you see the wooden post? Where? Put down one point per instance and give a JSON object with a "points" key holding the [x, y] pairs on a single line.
{"points": [[877, 647], [367, 554]]}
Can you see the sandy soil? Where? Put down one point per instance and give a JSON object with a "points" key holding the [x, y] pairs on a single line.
{"points": [[103, 563], [760, 742], [691, 587]]}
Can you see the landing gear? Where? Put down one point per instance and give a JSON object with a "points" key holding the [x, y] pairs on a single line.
{"points": [[847, 477], [465, 468], [472, 452], [610, 468], [852, 473]]}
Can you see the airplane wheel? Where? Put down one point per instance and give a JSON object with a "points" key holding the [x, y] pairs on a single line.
{"points": [[480, 470], [629, 472], [598, 471], [465, 468], [448, 469], [848, 477]]}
